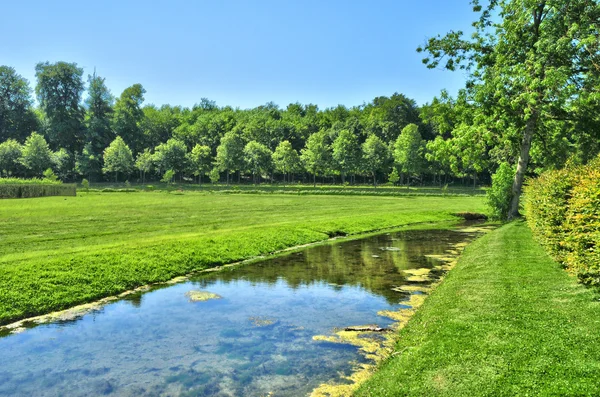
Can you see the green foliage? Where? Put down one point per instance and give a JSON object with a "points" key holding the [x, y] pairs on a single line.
{"points": [[118, 157], [230, 153], [17, 119], [258, 158], [144, 163], [128, 116], [214, 175], [376, 156], [316, 156], [59, 89], [408, 150], [171, 155], [393, 178], [11, 188], [500, 194], [85, 184], [200, 160], [286, 159], [562, 209], [346, 153], [168, 176], [10, 155], [36, 155], [87, 163], [99, 102], [50, 175]]}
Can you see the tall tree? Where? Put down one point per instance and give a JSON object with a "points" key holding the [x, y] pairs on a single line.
{"points": [[87, 163], [117, 158], [346, 153], [99, 102], [408, 151], [529, 62], [376, 156], [17, 119], [59, 89], [128, 117], [316, 155], [36, 155]]}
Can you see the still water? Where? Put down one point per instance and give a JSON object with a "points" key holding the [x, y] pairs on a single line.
{"points": [[255, 340]]}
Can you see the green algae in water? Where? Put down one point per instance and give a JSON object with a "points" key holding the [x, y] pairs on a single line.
{"points": [[201, 296], [257, 341]]}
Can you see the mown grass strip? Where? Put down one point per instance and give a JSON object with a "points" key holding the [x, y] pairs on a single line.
{"points": [[507, 321], [59, 252]]}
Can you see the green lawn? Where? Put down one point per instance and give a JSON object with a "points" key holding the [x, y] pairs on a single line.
{"points": [[56, 252], [507, 321]]}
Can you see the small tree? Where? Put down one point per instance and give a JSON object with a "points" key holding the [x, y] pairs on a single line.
{"points": [[171, 155], [36, 155], [168, 176], [118, 158], [393, 178], [408, 151], [87, 163], [49, 175], [61, 161], [230, 153], [214, 175], [315, 155], [346, 153], [500, 194], [144, 163], [85, 184], [375, 156], [10, 153], [286, 159], [200, 160], [258, 158]]}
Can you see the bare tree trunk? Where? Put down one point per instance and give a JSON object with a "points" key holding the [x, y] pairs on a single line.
{"points": [[315, 180], [227, 177], [517, 186]]}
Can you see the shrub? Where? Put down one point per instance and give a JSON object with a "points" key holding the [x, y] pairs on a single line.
{"points": [[36, 190], [500, 194], [563, 211]]}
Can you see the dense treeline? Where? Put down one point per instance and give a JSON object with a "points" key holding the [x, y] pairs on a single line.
{"points": [[563, 211], [121, 138]]}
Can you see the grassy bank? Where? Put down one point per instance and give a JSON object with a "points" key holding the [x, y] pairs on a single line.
{"points": [[58, 252], [507, 321]]}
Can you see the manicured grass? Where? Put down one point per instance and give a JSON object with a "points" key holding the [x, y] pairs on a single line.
{"points": [[507, 321], [57, 252]]}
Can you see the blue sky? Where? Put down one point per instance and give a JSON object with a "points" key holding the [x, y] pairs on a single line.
{"points": [[240, 53]]}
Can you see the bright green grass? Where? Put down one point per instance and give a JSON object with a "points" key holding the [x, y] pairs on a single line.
{"points": [[56, 252], [507, 321]]}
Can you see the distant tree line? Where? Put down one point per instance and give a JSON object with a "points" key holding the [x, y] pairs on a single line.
{"points": [[101, 137]]}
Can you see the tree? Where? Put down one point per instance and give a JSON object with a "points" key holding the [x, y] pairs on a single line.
{"points": [[346, 153], [144, 162], [375, 156], [171, 155], [117, 158], [128, 117], [200, 160], [17, 119], [316, 156], [258, 158], [214, 175], [36, 155], [408, 151], [286, 159], [99, 104], [59, 90], [541, 63], [10, 153], [87, 162], [230, 153], [61, 161]]}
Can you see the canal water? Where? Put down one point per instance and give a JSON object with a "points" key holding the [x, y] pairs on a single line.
{"points": [[255, 339]]}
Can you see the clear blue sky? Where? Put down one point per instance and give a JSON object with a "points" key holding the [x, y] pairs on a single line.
{"points": [[240, 53]]}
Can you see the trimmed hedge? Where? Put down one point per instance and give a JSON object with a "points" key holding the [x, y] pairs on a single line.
{"points": [[563, 211], [36, 190]]}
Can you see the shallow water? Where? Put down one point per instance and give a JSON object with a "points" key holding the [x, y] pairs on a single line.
{"points": [[255, 340]]}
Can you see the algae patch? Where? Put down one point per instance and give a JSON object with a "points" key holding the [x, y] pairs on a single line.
{"points": [[201, 296]]}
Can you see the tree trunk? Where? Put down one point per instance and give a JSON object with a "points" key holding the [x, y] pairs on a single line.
{"points": [[374, 179], [517, 186], [227, 177], [314, 180]]}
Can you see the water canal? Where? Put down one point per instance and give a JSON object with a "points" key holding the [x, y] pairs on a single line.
{"points": [[255, 338]]}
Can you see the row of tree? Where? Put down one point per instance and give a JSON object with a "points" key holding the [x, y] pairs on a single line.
{"points": [[102, 135]]}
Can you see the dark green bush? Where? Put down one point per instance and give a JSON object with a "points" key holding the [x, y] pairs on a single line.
{"points": [[500, 194], [36, 190]]}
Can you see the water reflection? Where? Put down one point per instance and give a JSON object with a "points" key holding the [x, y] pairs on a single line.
{"points": [[255, 340]]}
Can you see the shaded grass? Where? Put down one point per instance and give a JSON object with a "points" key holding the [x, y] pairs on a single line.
{"points": [[507, 321], [57, 252]]}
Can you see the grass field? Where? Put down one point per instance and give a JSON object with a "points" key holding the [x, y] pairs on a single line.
{"points": [[57, 252], [507, 321]]}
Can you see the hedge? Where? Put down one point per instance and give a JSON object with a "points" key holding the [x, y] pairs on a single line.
{"points": [[36, 190], [563, 211]]}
